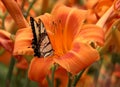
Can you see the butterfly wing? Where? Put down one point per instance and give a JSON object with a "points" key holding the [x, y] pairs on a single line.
{"points": [[36, 37], [35, 29], [41, 42], [45, 44]]}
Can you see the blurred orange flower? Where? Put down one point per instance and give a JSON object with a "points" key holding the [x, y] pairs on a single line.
{"points": [[3, 55], [6, 41], [102, 6]]}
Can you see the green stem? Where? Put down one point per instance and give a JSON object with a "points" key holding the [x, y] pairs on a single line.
{"points": [[2, 50], [17, 78], [69, 79], [10, 71], [31, 5], [27, 81], [77, 77], [81, 2], [99, 66], [53, 73], [49, 81]]}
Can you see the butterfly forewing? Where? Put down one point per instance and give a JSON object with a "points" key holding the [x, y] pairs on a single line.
{"points": [[41, 42], [35, 29]]}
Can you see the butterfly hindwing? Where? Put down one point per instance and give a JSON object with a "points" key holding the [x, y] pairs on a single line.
{"points": [[41, 42]]}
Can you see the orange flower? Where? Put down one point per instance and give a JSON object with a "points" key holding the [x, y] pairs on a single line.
{"points": [[117, 70], [6, 41], [70, 40], [102, 7], [86, 81], [3, 55]]}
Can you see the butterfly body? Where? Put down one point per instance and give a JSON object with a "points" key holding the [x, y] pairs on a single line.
{"points": [[40, 42]]}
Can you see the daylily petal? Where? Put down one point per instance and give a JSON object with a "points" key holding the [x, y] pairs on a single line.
{"points": [[60, 12], [91, 18], [5, 40], [69, 20], [23, 42], [73, 25], [39, 68], [92, 32], [81, 56], [47, 21]]}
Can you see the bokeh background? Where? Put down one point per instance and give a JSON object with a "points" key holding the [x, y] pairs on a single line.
{"points": [[103, 73]]}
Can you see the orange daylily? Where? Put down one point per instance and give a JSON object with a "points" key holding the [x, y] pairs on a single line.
{"points": [[102, 7], [5, 40], [112, 43], [86, 81], [70, 40], [97, 9], [113, 31]]}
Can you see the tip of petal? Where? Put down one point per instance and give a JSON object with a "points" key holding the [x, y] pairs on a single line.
{"points": [[23, 42], [81, 56], [39, 68]]}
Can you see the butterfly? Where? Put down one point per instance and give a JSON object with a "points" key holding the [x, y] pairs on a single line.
{"points": [[40, 43]]}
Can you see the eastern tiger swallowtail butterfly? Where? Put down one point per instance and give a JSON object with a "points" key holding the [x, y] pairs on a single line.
{"points": [[40, 42]]}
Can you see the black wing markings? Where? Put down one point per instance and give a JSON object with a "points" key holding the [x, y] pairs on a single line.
{"points": [[40, 42]]}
